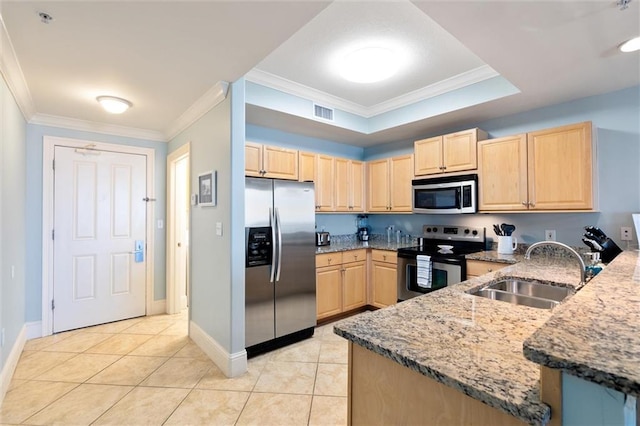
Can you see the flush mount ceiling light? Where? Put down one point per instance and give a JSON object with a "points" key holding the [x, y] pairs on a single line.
{"points": [[369, 65], [630, 45], [114, 105]]}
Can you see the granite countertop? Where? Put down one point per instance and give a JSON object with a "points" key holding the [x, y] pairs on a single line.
{"points": [[469, 343], [355, 245], [595, 334]]}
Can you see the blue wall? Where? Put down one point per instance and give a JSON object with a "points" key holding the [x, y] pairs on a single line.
{"points": [[35, 134], [13, 226]]}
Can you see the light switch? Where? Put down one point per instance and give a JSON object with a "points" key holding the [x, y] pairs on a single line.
{"points": [[160, 224], [219, 228]]}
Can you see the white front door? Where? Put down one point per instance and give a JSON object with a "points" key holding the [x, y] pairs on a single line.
{"points": [[100, 237]]}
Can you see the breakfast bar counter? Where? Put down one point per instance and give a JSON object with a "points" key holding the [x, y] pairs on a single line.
{"points": [[467, 343]]}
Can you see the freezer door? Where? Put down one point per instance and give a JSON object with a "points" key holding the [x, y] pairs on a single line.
{"points": [[259, 294], [295, 285]]}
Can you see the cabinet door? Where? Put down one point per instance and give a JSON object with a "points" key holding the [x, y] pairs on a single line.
{"points": [[378, 188], [475, 268], [502, 173], [354, 285], [280, 163], [459, 151], [252, 159], [428, 154], [328, 291], [357, 186], [384, 284], [341, 185], [324, 184], [306, 166], [560, 168], [401, 174]]}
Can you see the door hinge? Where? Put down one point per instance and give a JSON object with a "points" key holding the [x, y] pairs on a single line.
{"points": [[53, 305], [53, 164], [53, 234]]}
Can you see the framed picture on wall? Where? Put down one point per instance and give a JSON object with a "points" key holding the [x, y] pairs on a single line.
{"points": [[207, 188]]}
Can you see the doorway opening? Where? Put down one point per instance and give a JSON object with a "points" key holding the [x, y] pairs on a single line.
{"points": [[178, 205]]}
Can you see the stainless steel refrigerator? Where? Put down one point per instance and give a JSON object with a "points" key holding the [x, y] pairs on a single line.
{"points": [[280, 279]]}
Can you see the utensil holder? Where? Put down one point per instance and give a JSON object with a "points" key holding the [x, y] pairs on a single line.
{"points": [[507, 244]]}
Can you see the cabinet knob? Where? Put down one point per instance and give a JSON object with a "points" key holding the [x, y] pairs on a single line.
{"points": [[490, 270], [524, 203], [355, 256], [329, 260], [384, 257], [532, 204]]}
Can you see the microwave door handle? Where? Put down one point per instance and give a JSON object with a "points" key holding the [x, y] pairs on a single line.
{"points": [[459, 198]]}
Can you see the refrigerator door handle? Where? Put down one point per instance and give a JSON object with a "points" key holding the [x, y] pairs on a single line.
{"points": [[279, 230], [272, 220]]}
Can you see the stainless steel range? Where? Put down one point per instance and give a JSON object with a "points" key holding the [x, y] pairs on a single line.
{"points": [[438, 260]]}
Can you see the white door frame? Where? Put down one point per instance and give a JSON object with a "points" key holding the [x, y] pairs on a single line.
{"points": [[173, 298], [49, 143]]}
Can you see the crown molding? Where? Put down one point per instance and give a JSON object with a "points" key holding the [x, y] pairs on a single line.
{"points": [[95, 127], [12, 72], [459, 81], [204, 104], [291, 87], [450, 84]]}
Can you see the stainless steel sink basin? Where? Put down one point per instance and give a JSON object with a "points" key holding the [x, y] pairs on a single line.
{"points": [[522, 292], [531, 289]]}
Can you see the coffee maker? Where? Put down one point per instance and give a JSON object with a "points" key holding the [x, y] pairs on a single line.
{"points": [[363, 228]]}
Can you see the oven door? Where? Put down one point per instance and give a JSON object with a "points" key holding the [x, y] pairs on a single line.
{"points": [[444, 272]]}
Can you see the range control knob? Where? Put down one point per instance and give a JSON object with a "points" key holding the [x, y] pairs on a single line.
{"points": [[435, 229], [428, 229], [475, 232], [466, 231]]}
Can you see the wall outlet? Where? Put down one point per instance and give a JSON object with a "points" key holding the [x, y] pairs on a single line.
{"points": [[625, 233], [550, 234]]}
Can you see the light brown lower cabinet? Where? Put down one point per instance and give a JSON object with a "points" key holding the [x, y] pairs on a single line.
{"points": [[475, 268], [341, 282], [383, 392], [384, 281]]}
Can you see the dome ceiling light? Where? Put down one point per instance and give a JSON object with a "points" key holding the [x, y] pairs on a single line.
{"points": [[114, 105], [369, 65], [630, 45]]}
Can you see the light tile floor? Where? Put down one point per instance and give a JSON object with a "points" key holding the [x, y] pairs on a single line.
{"points": [[148, 371]]}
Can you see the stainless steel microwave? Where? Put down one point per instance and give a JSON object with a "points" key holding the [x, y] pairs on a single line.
{"points": [[446, 195]]}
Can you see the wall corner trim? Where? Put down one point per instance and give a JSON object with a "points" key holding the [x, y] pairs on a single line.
{"points": [[10, 365], [232, 365]]}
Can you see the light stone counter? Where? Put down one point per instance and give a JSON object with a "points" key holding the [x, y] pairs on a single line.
{"points": [[595, 335], [469, 343]]}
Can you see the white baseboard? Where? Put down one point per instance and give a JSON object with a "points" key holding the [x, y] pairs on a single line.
{"points": [[158, 307], [10, 365], [232, 365], [34, 329]]}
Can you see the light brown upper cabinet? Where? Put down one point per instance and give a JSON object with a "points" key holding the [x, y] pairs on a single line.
{"points": [[270, 161], [339, 182], [546, 170], [454, 152], [349, 185], [389, 184]]}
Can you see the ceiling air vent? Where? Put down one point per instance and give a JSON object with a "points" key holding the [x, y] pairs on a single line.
{"points": [[322, 112]]}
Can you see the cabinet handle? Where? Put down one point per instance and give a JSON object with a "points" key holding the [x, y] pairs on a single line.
{"points": [[524, 203], [384, 257], [329, 260], [532, 204], [490, 270], [355, 256]]}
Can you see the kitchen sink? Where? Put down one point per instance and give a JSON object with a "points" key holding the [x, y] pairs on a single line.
{"points": [[521, 292]]}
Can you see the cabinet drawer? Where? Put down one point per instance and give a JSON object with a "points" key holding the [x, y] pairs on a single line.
{"points": [[384, 256], [354, 256], [328, 259], [475, 268]]}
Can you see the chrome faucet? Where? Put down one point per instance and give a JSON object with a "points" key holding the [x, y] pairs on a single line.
{"points": [[583, 267]]}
